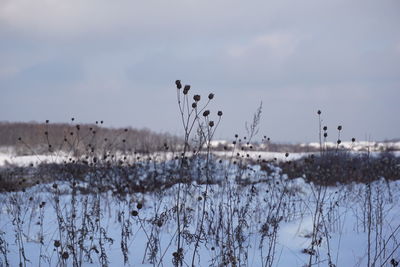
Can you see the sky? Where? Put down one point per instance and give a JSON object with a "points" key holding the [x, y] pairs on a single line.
{"points": [[117, 61]]}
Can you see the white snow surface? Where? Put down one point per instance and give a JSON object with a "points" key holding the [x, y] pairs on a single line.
{"points": [[30, 227]]}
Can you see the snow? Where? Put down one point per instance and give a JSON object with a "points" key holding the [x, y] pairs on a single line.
{"points": [[344, 227], [358, 145]]}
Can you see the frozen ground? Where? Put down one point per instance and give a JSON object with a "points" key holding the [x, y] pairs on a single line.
{"points": [[353, 224]]}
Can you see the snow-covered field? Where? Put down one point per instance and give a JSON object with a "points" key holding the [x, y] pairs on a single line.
{"points": [[276, 222]]}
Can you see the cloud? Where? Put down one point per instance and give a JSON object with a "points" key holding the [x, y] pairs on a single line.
{"points": [[278, 46], [294, 54], [7, 71]]}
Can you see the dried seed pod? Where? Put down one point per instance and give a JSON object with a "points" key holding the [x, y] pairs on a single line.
{"points": [[186, 89], [178, 84], [206, 113], [211, 123], [57, 243], [211, 96], [219, 113], [196, 98], [134, 213]]}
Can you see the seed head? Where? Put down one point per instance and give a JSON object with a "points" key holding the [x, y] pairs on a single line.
{"points": [[339, 141], [219, 113], [196, 98], [211, 96], [194, 105], [178, 84], [325, 135], [186, 89], [353, 139], [47, 121], [319, 112], [65, 255], [206, 113], [135, 213], [57, 243], [325, 128], [211, 123], [339, 127]]}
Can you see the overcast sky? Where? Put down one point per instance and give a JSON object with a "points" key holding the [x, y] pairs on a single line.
{"points": [[117, 61]]}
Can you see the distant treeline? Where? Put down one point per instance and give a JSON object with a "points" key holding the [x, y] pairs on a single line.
{"points": [[42, 137], [271, 147]]}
